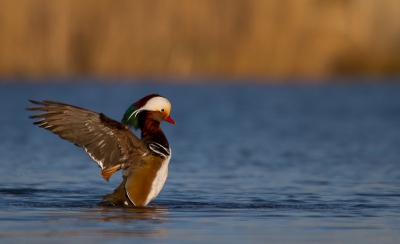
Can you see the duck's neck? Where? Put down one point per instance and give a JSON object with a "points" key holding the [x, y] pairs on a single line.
{"points": [[151, 131], [150, 127]]}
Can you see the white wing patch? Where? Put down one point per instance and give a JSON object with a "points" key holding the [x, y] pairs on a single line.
{"points": [[99, 162], [101, 143]]}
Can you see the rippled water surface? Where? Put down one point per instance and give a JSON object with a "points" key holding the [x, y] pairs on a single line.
{"points": [[250, 164]]}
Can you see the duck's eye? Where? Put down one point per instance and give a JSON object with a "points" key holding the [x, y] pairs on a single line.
{"points": [[162, 110]]}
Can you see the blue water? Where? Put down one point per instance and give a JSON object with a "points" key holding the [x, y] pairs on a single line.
{"points": [[250, 164]]}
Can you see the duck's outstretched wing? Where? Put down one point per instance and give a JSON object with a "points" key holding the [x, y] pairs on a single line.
{"points": [[108, 142]]}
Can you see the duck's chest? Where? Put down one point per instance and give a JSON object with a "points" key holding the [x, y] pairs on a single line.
{"points": [[159, 179], [144, 183]]}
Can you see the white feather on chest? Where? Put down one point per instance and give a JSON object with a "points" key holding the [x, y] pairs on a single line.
{"points": [[159, 180]]}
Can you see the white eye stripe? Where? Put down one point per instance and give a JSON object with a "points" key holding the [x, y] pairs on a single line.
{"points": [[156, 103]]}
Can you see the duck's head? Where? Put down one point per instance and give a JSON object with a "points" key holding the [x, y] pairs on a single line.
{"points": [[153, 105]]}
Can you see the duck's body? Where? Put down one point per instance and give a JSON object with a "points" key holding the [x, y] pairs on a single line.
{"points": [[113, 146]]}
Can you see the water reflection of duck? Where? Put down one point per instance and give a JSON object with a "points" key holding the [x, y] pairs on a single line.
{"points": [[113, 146], [131, 221], [154, 212]]}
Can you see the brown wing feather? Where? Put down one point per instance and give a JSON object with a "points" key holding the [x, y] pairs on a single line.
{"points": [[107, 141]]}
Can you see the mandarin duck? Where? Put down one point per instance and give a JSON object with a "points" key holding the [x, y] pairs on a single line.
{"points": [[112, 145]]}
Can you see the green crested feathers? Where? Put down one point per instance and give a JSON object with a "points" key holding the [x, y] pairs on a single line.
{"points": [[131, 117]]}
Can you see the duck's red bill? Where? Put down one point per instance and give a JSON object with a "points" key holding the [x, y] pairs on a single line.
{"points": [[168, 119]]}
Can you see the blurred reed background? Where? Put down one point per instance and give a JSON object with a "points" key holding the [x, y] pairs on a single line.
{"points": [[234, 38]]}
